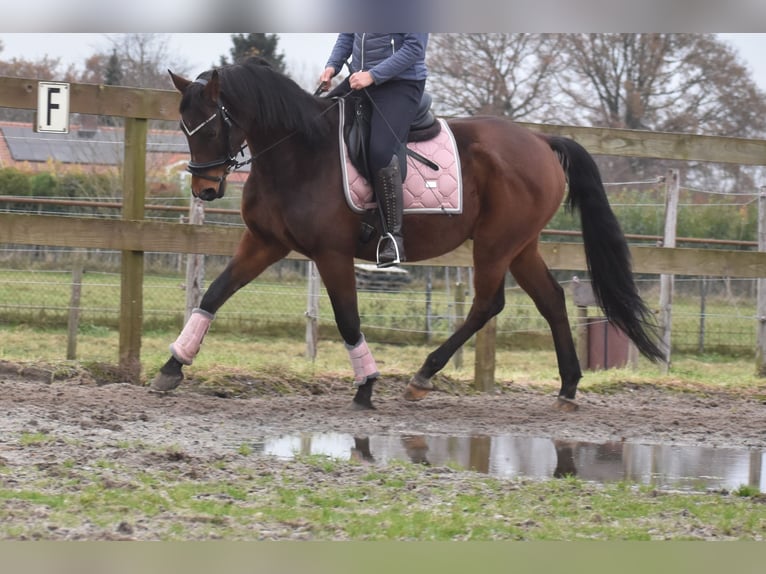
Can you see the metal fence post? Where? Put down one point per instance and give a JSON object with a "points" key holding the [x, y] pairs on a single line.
{"points": [[669, 240], [460, 293], [73, 320], [195, 262], [312, 311]]}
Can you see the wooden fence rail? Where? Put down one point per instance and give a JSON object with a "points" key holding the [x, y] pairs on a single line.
{"points": [[38, 201], [133, 235], [167, 237]]}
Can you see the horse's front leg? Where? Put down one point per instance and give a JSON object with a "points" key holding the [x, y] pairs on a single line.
{"points": [[338, 277], [252, 257]]}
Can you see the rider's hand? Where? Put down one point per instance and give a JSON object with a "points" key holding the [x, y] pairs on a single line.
{"points": [[359, 80], [325, 77]]}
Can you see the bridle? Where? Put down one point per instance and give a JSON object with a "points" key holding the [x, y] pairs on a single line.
{"points": [[199, 169]]}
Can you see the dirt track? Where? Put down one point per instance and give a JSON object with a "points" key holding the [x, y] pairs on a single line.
{"points": [[198, 418], [76, 419]]}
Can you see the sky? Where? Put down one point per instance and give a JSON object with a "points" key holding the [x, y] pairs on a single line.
{"points": [[305, 53]]}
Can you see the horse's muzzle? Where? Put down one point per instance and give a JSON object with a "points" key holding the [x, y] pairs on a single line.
{"points": [[207, 191], [210, 193]]}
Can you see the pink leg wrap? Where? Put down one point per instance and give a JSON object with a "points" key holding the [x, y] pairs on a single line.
{"points": [[186, 347], [363, 362]]}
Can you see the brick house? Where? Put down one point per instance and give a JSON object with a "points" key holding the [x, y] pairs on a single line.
{"points": [[88, 147]]}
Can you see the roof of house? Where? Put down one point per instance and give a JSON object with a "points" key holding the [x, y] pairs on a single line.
{"points": [[95, 147], [100, 147]]}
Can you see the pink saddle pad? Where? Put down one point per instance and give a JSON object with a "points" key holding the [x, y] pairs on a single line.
{"points": [[425, 190]]}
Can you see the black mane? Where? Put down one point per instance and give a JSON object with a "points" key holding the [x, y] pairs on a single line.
{"points": [[255, 91]]}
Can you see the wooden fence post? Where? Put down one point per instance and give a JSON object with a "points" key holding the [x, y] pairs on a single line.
{"points": [[582, 297], [760, 314], [666, 280], [484, 368], [132, 262]]}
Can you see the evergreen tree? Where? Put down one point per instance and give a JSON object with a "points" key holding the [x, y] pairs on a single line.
{"points": [[256, 44], [113, 72]]}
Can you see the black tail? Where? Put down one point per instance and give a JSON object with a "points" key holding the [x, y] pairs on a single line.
{"points": [[606, 250]]}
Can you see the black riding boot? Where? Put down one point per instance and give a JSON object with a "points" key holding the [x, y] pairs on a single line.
{"points": [[388, 191]]}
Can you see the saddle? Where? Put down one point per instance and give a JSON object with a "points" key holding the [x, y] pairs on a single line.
{"points": [[436, 189], [433, 183], [356, 132]]}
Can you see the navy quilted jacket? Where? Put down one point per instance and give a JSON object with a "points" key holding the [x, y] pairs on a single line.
{"points": [[386, 56]]}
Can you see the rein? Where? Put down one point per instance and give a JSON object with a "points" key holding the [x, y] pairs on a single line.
{"points": [[199, 169]]}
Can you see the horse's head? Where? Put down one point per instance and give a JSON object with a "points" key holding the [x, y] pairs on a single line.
{"points": [[214, 139]]}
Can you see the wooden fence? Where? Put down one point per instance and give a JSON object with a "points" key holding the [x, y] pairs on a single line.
{"points": [[133, 235]]}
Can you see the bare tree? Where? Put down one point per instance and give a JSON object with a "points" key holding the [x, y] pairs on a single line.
{"points": [[144, 59], [650, 81], [492, 73], [665, 82], [691, 83]]}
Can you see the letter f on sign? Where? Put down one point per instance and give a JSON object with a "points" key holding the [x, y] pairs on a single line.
{"points": [[51, 104], [52, 107]]}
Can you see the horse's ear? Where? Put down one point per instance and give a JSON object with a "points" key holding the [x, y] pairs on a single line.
{"points": [[180, 83], [213, 87]]}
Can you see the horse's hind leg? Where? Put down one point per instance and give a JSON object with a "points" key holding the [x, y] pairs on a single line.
{"points": [[533, 276], [488, 301], [251, 258]]}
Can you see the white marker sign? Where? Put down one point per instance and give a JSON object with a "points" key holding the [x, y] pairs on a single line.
{"points": [[53, 107]]}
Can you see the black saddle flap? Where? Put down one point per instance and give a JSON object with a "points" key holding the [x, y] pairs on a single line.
{"points": [[356, 130]]}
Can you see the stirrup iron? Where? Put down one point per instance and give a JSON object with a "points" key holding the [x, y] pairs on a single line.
{"points": [[396, 260]]}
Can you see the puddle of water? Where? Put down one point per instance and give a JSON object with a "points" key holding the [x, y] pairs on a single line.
{"points": [[664, 466]]}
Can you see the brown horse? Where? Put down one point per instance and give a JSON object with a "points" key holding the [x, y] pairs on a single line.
{"points": [[514, 180]]}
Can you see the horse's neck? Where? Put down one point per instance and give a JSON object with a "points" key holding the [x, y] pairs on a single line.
{"points": [[284, 138]]}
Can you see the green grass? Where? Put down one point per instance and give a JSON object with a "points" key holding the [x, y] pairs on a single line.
{"points": [[226, 358], [320, 499]]}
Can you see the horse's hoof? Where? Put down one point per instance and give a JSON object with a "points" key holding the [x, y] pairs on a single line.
{"points": [[361, 405], [163, 383], [566, 405], [363, 397], [413, 393], [418, 388], [418, 381]]}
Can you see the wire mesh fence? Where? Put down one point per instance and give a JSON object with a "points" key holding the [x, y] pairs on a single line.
{"points": [[710, 314]]}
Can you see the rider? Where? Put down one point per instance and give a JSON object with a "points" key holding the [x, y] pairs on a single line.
{"points": [[391, 70]]}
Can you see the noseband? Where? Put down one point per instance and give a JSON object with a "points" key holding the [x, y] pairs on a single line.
{"points": [[198, 169]]}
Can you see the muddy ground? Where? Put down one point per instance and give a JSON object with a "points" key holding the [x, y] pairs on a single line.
{"points": [[84, 404], [88, 414]]}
